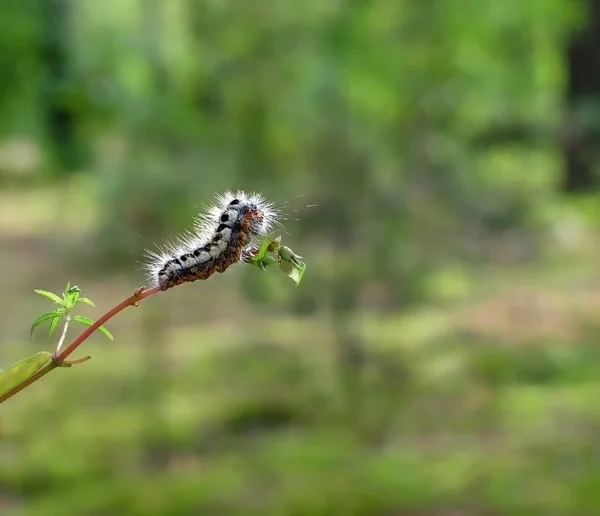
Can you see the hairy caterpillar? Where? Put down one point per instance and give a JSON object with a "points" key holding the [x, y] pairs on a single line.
{"points": [[234, 223]]}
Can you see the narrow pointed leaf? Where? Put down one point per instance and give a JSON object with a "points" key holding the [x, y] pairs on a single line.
{"points": [[41, 319], [86, 300], [88, 322], [22, 370], [53, 325], [49, 295]]}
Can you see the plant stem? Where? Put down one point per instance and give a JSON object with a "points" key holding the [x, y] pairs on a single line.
{"points": [[132, 300], [63, 336], [58, 359]]}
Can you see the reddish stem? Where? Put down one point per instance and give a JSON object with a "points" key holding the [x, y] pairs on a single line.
{"points": [[60, 359], [133, 300]]}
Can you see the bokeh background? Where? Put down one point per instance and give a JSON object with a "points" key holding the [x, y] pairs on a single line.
{"points": [[441, 357]]}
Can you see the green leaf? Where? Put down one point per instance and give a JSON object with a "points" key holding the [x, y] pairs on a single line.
{"points": [[293, 270], [53, 325], [22, 370], [292, 264], [86, 300], [49, 295], [274, 245], [73, 290], [42, 318], [289, 256], [88, 322], [262, 259], [268, 261], [289, 262], [71, 297], [263, 250]]}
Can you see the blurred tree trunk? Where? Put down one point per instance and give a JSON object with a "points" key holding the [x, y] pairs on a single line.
{"points": [[583, 92], [60, 117]]}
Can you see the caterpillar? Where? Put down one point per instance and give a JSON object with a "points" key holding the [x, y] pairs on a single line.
{"points": [[234, 223]]}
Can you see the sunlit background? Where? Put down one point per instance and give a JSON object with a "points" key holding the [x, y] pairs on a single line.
{"points": [[442, 355]]}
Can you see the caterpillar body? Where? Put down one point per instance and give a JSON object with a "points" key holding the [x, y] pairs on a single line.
{"points": [[235, 222]]}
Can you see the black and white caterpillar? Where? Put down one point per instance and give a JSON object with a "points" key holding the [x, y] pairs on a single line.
{"points": [[236, 221]]}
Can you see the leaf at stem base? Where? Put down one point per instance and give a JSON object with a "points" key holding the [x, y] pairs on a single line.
{"points": [[22, 370]]}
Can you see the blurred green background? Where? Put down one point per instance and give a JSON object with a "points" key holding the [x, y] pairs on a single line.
{"points": [[441, 357]]}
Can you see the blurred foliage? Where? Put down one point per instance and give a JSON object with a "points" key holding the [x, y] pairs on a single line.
{"points": [[441, 355]]}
